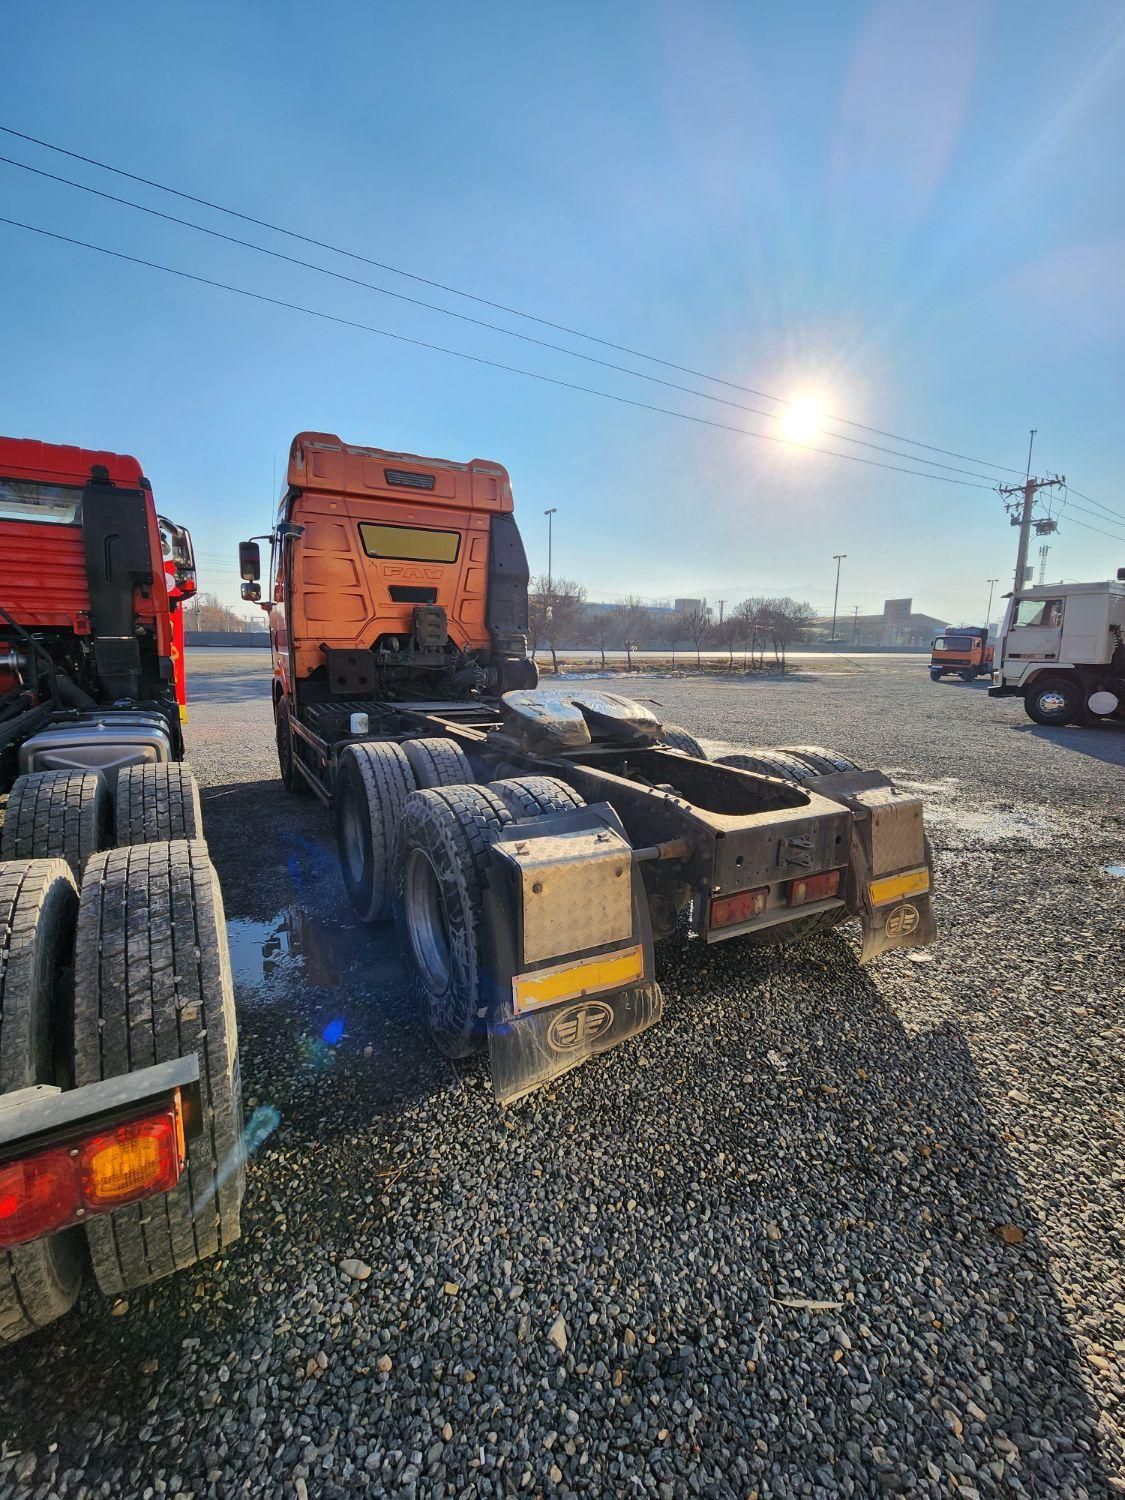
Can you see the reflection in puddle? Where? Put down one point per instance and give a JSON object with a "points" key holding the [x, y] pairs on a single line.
{"points": [[297, 946]]}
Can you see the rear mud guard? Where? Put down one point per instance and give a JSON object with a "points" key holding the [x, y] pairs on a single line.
{"points": [[890, 875], [571, 947]]}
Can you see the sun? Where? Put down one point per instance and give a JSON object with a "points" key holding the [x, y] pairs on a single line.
{"points": [[801, 421]]}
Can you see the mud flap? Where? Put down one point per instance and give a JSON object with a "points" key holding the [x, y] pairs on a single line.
{"points": [[891, 876], [570, 948], [527, 1051]]}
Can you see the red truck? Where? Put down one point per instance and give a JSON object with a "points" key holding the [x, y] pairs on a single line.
{"points": [[120, 1112]]}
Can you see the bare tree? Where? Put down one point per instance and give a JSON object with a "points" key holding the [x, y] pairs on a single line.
{"points": [[635, 623], [751, 613], [598, 627], [556, 609], [696, 627], [786, 622], [207, 612], [671, 632], [729, 632]]}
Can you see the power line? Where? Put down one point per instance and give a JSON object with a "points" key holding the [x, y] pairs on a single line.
{"points": [[1098, 529], [527, 338], [477, 359], [1086, 511], [1098, 503], [484, 301]]}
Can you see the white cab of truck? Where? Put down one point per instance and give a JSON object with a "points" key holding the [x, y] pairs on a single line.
{"points": [[1062, 650]]}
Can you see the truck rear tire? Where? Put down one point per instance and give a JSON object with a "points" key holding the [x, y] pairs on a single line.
{"points": [[38, 909], [373, 781], [64, 814], [1053, 701], [446, 835], [967, 676], [438, 762], [535, 796], [820, 761], [156, 803], [675, 738], [291, 778], [768, 762], [152, 983]]}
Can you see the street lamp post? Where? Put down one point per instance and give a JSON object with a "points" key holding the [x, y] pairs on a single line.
{"points": [[550, 525], [992, 582], [837, 558]]}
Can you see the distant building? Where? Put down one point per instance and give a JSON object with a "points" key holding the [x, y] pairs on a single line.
{"points": [[689, 606], [896, 626]]}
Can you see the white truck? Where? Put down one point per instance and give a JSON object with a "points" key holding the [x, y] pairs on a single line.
{"points": [[1062, 649]]}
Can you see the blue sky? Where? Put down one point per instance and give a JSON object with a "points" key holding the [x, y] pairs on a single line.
{"points": [[913, 213]]}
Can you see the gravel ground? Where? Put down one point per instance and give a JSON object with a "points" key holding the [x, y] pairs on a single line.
{"points": [[606, 1289]]}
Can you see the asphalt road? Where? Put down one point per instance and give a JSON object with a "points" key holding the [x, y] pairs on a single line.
{"points": [[929, 1152]]}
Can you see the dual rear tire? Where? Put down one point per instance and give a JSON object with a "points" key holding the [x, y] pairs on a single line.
{"points": [[72, 815], [134, 972]]}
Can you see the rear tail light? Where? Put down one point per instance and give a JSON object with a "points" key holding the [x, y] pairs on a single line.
{"points": [[814, 887], [65, 1184], [728, 910], [36, 1196]]}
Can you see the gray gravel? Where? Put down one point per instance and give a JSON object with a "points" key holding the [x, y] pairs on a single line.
{"points": [[606, 1289]]}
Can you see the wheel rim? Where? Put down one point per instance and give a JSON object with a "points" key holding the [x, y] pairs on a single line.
{"points": [[426, 921], [1053, 702], [355, 854]]}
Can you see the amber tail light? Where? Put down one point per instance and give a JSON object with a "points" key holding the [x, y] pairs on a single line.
{"points": [[814, 887], [51, 1189]]}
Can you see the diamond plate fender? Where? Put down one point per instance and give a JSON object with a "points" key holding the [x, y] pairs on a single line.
{"points": [[890, 875], [566, 905]]}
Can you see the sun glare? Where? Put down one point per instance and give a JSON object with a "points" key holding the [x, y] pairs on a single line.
{"points": [[802, 420]]}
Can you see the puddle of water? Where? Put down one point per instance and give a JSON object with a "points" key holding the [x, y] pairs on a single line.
{"points": [[297, 946], [990, 824], [1118, 870]]}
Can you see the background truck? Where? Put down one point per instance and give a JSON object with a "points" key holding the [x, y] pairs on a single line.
{"points": [[120, 1106], [532, 846], [1062, 649], [965, 651]]}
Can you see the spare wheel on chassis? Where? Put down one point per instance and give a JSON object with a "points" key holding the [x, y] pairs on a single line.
{"points": [[38, 907]]}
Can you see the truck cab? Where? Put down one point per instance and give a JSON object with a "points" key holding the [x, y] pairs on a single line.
{"points": [[1062, 649], [965, 651]]}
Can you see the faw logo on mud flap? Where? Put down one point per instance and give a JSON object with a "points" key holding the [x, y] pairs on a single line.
{"points": [[579, 1025], [902, 921]]}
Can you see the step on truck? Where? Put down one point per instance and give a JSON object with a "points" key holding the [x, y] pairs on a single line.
{"points": [[120, 1106], [1062, 650], [532, 846], [963, 652]]}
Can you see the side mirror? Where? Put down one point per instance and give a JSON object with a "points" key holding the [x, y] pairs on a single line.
{"points": [[251, 593], [249, 563]]}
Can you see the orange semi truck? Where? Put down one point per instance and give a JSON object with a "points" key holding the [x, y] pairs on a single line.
{"points": [[120, 1108], [532, 845]]}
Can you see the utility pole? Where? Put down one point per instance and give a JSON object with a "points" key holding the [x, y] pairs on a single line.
{"points": [[837, 558], [1025, 519], [992, 582], [855, 622], [550, 524], [720, 603]]}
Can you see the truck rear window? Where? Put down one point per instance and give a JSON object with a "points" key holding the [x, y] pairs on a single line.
{"points": [[409, 543], [25, 500]]}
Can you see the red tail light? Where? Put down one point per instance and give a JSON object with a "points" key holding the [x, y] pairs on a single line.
{"points": [[728, 910], [814, 888], [60, 1186], [37, 1196]]}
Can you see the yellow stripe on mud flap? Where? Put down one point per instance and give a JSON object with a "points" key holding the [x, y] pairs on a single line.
{"points": [[609, 971], [895, 887]]}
